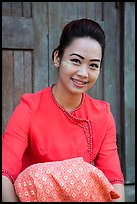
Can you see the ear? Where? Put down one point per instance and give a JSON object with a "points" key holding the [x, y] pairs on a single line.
{"points": [[56, 59]]}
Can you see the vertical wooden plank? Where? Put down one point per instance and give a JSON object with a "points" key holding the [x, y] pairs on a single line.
{"points": [[120, 68], [18, 76], [41, 45], [7, 86], [72, 14], [27, 71], [55, 28], [99, 11], [65, 10], [73, 10], [27, 9], [16, 8], [129, 87], [91, 10], [111, 63], [81, 10], [6, 8]]}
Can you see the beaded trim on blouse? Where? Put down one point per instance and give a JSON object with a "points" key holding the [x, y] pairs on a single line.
{"points": [[78, 107], [83, 123], [6, 172], [117, 180]]}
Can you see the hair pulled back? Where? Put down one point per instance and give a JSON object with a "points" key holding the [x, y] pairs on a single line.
{"points": [[80, 28]]}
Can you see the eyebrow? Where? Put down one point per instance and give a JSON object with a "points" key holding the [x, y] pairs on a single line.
{"points": [[83, 57]]}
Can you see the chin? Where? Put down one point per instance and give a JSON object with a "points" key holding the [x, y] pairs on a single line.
{"points": [[78, 91]]}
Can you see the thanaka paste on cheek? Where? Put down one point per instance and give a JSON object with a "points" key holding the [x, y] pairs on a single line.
{"points": [[67, 65]]}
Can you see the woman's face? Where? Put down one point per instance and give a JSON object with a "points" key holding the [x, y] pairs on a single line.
{"points": [[80, 65]]}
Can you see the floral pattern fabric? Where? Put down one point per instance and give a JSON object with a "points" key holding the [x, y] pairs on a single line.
{"points": [[70, 180]]}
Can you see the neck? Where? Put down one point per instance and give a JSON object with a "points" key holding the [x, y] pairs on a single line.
{"points": [[68, 101]]}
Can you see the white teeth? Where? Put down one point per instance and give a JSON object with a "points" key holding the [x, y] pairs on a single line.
{"points": [[78, 82]]}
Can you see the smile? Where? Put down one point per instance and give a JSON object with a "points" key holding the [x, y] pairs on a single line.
{"points": [[79, 83]]}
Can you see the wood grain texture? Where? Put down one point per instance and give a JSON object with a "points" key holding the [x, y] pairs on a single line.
{"points": [[41, 46], [17, 32], [7, 86], [129, 87]]}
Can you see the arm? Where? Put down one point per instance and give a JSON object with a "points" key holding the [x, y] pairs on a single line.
{"points": [[8, 192], [108, 159], [14, 143], [120, 189]]}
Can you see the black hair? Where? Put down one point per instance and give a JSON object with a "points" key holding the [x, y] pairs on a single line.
{"points": [[80, 28]]}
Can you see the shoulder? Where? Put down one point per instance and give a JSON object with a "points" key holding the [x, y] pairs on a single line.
{"points": [[97, 104], [33, 99], [36, 94]]}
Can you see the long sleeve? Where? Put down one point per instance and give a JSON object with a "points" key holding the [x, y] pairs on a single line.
{"points": [[108, 159], [15, 138]]}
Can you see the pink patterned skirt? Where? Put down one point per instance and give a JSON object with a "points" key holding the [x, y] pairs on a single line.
{"points": [[71, 180]]}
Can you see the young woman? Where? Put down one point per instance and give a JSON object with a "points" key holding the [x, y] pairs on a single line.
{"points": [[61, 121]]}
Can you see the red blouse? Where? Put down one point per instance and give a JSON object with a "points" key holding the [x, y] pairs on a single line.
{"points": [[39, 130]]}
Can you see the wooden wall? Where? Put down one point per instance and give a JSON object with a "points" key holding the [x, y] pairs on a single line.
{"points": [[129, 91], [17, 52], [30, 32]]}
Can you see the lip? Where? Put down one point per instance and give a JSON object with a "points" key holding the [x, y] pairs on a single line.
{"points": [[79, 83]]}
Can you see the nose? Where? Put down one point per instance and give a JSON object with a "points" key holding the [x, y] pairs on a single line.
{"points": [[83, 72]]}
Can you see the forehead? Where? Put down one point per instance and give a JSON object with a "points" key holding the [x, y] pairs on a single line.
{"points": [[87, 47]]}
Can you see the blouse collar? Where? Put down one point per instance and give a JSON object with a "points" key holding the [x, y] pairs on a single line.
{"points": [[64, 110]]}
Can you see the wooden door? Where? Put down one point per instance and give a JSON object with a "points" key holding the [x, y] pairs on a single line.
{"points": [[30, 32], [17, 53]]}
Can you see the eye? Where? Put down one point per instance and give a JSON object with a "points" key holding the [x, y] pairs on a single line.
{"points": [[76, 61], [94, 66]]}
